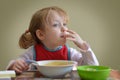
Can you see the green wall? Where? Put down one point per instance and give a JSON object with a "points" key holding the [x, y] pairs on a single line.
{"points": [[97, 21]]}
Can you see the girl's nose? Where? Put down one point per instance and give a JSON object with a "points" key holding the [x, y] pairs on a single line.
{"points": [[64, 28]]}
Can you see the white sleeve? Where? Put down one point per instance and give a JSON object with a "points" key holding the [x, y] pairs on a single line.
{"points": [[27, 55], [84, 58]]}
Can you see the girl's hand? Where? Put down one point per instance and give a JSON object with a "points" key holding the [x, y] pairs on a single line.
{"points": [[73, 36], [20, 66]]}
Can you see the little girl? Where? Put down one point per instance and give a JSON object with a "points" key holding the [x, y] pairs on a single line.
{"points": [[46, 40]]}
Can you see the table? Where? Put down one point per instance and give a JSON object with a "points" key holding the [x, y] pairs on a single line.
{"points": [[35, 75]]}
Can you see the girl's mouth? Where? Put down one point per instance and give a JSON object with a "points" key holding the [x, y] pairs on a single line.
{"points": [[62, 36]]}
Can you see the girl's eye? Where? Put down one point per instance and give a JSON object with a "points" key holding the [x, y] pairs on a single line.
{"points": [[64, 24], [55, 25], [59, 25]]}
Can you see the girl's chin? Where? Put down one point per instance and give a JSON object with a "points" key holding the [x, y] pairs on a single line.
{"points": [[63, 42]]}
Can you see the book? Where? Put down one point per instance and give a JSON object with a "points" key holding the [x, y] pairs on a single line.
{"points": [[7, 74], [5, 78]]}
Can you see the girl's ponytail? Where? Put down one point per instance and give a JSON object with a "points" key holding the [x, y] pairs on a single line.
{"points": [[26, 40]]}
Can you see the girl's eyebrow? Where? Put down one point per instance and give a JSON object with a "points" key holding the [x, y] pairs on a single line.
{"points": [[58, 21]]}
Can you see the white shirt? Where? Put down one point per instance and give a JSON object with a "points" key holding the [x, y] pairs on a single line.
{"points": [[81, 57]]}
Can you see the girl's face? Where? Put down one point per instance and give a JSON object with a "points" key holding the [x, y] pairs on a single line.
{"points": [[55, 31]]}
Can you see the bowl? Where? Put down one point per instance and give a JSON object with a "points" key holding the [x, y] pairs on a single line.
{"points": [[55, 68], [93, 72]]}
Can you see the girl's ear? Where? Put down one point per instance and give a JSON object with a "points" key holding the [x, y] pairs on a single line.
{"points": [[40, 34]]}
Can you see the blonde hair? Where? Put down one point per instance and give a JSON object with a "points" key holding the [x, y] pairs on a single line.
{"points": [[39, 21]]}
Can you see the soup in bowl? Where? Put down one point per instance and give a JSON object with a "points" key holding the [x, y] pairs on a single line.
{"points": [[55, 68]]}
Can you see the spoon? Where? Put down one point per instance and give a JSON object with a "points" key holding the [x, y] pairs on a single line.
{"points": [[31, 61]]}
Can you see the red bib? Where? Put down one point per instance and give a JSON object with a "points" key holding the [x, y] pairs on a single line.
{"points": [[43, 54]]}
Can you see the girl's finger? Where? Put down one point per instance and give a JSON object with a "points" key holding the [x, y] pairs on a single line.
{"points": [[24, 63], [17, 70], [70, 35], [18, 67], [71, 39], [21, 65], [70, 31]]}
